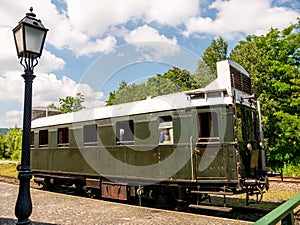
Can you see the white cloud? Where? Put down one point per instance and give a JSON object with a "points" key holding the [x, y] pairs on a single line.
{"points": [[47, 88], [8, 53], [87, 27], [236, 17], [147, 33], [49, 62], [13, 117], [171, 12], [104, 45], [11, 86], [95, 17], [62, 33]]}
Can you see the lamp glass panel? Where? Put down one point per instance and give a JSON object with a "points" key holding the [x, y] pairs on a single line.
{"points": [[19, 39], [34, 39]]}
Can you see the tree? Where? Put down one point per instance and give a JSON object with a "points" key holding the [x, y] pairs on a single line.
{"points": [[273, 62], [113, 95], [52, 106], [71, 104], [203, 74], [11, 144], [174, 80], [181, 78], [2, 147], [206, 70]]}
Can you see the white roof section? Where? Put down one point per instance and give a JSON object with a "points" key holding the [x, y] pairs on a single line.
{"points": [[188, 99], [152, 104]]}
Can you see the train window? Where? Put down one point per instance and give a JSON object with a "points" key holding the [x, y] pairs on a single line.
{"points": [[63, 137], [208, 130], [32, 139], [125, 132], [165, 130], [246, 124], [43, 138], [90, 137]]}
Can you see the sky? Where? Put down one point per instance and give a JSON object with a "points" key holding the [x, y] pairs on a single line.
{"points": [[93, 45]]}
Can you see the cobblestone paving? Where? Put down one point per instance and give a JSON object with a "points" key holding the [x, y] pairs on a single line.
{"points": [[52, 208]]}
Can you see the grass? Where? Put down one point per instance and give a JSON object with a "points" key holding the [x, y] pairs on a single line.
{"points": [[8, 170]]}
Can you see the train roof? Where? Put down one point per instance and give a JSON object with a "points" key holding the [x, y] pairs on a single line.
{"points": [[218, 92]]}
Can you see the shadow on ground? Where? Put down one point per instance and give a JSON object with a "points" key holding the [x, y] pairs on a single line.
{"points": [[7, 221]]}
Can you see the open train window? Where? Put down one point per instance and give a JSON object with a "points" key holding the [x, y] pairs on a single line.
{"points": [[90, 137], [63, 137], [125, 132], [32, 139], [165, 130], [208, 127], [43, 138]]}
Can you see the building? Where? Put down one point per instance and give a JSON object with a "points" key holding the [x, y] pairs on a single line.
{"points": [[38, 112]]}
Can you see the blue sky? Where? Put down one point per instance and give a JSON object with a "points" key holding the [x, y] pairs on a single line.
{"points": [[92, 45]]}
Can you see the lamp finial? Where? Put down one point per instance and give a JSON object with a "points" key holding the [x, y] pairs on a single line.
{"points": [[31, 13]]}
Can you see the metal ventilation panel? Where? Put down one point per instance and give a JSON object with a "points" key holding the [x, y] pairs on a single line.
{"points": [[240, 80]]}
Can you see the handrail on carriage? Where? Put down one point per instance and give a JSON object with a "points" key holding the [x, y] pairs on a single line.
{"points": [[283, 213]]}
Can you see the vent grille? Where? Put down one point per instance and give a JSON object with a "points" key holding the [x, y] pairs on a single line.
{"points": [[240, 81]]}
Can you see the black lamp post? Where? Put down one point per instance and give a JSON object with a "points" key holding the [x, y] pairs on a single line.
{"points": [[29, 37]]}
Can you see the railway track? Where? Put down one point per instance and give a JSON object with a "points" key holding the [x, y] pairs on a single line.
{"points": [[285, 179], [232, 212]]}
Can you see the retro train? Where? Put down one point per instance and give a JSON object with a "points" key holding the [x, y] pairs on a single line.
{"points": [[175, 149]]}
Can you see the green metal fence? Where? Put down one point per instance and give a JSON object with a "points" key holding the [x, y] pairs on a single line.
{"points": [[283, 213]]}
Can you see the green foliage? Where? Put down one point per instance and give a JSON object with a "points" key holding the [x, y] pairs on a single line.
{"points": [[2, 147], [11, 144], [206, 70], [216, 51], [174, 80], [71, 104], [273, 62], [291, 171], [52, 106]]}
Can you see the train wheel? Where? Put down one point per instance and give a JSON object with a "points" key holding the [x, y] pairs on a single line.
{"points": [[165, 200]]}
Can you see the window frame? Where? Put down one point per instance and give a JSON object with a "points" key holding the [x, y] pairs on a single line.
{"points": [[90, 135], [208, 127], [165, 128], [43, 138], [63, 140], [127, 138]]}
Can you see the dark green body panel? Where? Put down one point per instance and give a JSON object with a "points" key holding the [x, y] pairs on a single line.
{"points": [[213, 164], [66, 161]]}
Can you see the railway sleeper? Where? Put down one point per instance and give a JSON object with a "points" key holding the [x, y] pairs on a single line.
{"points": [[211, 207]]}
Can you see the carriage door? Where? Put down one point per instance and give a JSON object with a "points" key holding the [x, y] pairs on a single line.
{"points": [[210, 156]]}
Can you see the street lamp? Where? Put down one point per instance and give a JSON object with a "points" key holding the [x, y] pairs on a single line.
{"points": [[29, 37]]}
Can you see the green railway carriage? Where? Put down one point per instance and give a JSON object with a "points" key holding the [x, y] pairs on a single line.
{"points": [[176, 149]]}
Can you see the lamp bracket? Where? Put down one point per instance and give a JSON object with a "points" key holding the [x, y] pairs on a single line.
{"points": [[28, 63]]}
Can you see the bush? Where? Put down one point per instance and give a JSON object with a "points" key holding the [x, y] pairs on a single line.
{"points": [[11, 144], [291, 171]]}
